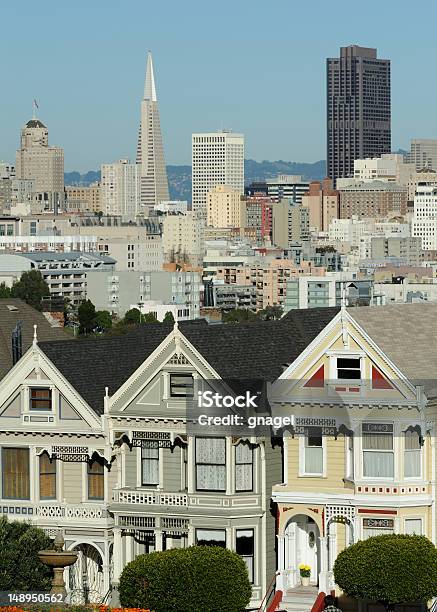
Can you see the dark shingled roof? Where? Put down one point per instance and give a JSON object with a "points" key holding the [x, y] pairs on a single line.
{"points": [[240, 351], [13, 310]]}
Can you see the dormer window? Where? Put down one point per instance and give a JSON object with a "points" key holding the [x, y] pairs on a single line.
{"points": [[349, 368], [40, 399]]}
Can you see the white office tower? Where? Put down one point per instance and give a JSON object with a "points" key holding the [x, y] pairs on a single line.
{"points": [[150, 150], [217, 159], [44, 165], [120, 189], [424, 222]]}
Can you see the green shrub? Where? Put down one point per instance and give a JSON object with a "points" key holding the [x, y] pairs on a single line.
{"points": [[389, 569], [195, 579], [20, 567]]}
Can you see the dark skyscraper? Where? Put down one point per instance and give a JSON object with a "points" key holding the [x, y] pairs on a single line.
{"points": [[358, 108]]}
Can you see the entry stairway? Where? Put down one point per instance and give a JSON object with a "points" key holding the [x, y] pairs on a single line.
{"points": [[300, 599]]}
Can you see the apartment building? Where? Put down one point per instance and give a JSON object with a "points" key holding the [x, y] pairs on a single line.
{"points": [[225, 207], [83, 199], [290, 223], [322, 202], [116, 291], [270, 279], [378, 199], [424, 221], [182, 238], [120, 189]]}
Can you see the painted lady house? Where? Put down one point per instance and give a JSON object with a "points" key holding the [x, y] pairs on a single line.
{"points": [[360, 458], [94, 443]]}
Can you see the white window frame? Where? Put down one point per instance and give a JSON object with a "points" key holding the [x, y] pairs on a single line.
{"points": [[140, 471], [350, 457], [302, 472]]}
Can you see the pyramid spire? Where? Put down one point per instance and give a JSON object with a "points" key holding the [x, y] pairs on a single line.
{"points": [[149, 85]]}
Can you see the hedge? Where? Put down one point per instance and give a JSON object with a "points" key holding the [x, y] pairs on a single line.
{"points": [[194, 579], [390, 569]]}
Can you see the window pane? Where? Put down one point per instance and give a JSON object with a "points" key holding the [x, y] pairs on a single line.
{"points": [[181, 385], [314, 441], [211, 537], [314, 460], [243, 477], [40, 399], [413, 526], [15, 473], [412, 440], [412, 461], [348, 374], [378, 441], [211, 450], [378, 464], [244, 546], [96, 480], [47, 477], [347, 362], [243, 453], [211, 477], [150, 464]]}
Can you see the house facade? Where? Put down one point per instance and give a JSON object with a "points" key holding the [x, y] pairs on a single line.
{"points": [[360, 458], [94, 443]]}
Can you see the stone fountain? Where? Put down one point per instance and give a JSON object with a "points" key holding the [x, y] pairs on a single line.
{"points": [[58, 559]]}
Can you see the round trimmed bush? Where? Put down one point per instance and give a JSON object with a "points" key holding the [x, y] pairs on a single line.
{"points": [[195, 579], [390, 569]]}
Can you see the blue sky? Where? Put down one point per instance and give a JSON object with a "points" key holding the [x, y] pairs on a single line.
{"points": [[254, 66]]}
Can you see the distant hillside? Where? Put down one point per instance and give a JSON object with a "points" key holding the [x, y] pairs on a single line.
{"points": [[179, 177]]}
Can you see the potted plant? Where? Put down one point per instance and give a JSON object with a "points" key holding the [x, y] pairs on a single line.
{"points": [[305, 573]]}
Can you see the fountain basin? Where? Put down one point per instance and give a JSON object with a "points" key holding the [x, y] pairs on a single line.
{"points": [[53, 558]]}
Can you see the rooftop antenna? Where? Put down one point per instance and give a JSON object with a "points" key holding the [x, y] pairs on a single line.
{"points": [[34, 107]]}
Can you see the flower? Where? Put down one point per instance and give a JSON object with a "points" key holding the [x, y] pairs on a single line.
{"points": [[305, 570]]}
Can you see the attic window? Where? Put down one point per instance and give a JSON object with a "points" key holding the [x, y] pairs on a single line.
{"points": [[40, 398], [349, 368]]}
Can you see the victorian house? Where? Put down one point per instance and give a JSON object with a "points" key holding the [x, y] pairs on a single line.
{"points": [[95, 443], [359, 459]]}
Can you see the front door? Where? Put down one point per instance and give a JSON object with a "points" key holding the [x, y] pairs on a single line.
{"points": [[307, 544]]}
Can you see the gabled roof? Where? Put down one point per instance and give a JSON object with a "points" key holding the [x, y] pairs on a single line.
{"points": [[407, 334], [13, 310], [241, 351]]}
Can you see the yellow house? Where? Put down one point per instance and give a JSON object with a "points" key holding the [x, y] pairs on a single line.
{"points": [[359, 458]]}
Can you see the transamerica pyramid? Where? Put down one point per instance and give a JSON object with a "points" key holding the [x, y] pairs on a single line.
{"points": [[150, 151]]}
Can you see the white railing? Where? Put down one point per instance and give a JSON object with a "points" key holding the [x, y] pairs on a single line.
{"points": [[150, 498], [82, 512]]}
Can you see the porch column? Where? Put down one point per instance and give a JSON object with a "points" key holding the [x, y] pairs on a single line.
{"points": [[324, 574], [129, 546], [280, 580], [191, 535], [117, 554], [158, 539], [332, 544]]}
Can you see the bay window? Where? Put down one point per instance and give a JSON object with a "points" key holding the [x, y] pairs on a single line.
{"points": [[412, 455], [211, 464], [378, 453], [243, 467]]}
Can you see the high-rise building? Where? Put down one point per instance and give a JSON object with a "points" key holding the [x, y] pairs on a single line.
{"points": [[120, 188], [322, 202], [217, 159], [43, 164], [423, 154], [424, 221], [150, 150], [358, 108]]}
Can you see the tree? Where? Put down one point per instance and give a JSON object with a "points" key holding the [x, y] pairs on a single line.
{"points": [[103, 319], [389, 569], [169, 318], [150, 317], [199, 578], [271, 313], [86, 313], [31, 288], [132, 317], [20, 567], [238, 315], [5, 291]]}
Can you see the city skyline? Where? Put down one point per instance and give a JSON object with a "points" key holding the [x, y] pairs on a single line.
{"points": [[209, 66]]}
